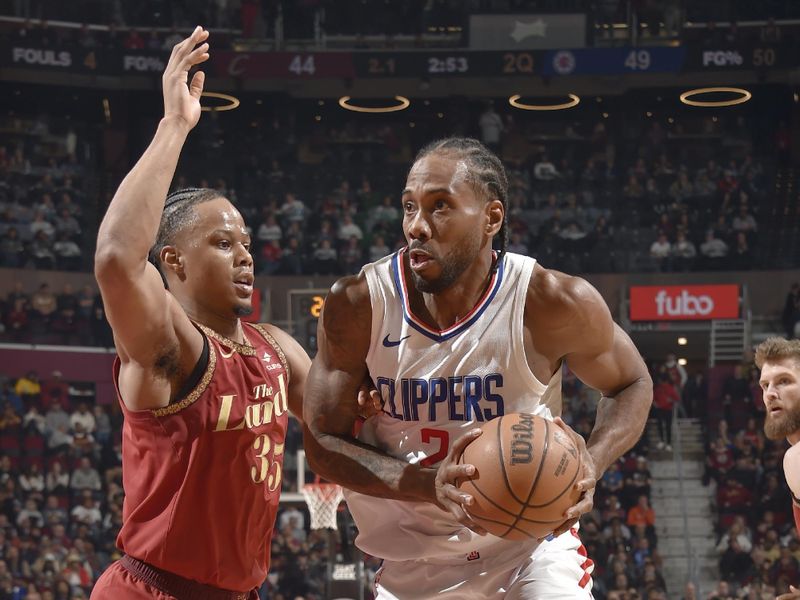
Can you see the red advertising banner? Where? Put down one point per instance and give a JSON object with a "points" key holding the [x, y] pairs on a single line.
{"points": [[684, 302]]}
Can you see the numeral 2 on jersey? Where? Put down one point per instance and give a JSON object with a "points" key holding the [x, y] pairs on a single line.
{"points": [[428, 435]]}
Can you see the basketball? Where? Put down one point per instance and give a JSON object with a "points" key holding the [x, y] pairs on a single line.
{"points": [[526, 468]]}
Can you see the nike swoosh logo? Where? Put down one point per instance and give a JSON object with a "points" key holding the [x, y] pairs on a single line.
{"points": [[390, 344]]}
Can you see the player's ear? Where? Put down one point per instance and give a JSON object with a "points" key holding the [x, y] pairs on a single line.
{"points": [[171, 260], [495, 212]]}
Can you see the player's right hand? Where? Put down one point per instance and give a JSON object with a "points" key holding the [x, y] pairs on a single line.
{"points": [[181, 98], [793, 594], [448, 496]]}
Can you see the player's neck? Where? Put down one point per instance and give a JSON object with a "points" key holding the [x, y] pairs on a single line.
{"points": [[227, 327], [447, 307], [793, 438]]}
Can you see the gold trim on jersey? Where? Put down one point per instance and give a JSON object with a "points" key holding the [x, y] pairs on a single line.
{"points": [[245, 349], [192, 397], [272, 342]]}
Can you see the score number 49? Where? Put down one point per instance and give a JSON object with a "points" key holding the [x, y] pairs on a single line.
{"points": [[638, 60]]}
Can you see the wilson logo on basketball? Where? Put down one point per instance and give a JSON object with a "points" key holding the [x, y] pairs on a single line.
{"points": [[684, 302], [521, 445]]}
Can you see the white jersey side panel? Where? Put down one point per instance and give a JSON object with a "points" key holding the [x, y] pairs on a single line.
{"points": [[437, 385]]}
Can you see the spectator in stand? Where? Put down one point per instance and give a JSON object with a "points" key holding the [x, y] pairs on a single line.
{"points": [[661, 252], [134, 40], [676, 371], [41, 250], [28, 386], [665, 398], [30, 516], [714, 251], [491, 126], [737, 401], [33, 421], [683, 253], [325, 256], [12, 250], [791, 311], [351, 257], [102, 430], [271, 254], [292, 258], [641, 513], [67, 253], [31, 481], [44, 303], [384, 215], [55, 389], [544, 170], [57, 480], [269, 230], [85, 477], [348, 229], [734, 548], [378, 249]]}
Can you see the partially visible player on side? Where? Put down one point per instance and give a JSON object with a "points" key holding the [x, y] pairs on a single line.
{"points": [[454, 334], [779, 361], [205, 396]]}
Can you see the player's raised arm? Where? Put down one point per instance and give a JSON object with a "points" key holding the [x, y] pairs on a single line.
{"points": [[330, 409], [601, 354], [145, 318]]}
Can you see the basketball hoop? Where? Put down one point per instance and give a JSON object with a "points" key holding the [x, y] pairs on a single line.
{"points": [[323, 501]]}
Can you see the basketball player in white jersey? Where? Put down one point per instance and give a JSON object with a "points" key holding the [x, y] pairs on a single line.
{"points": [[454, 334]]}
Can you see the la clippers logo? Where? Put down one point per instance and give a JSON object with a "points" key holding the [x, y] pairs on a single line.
{"points": [[686, 302]]}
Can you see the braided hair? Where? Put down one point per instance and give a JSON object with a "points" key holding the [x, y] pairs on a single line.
{"points": [[177, 215], [486, 173]]}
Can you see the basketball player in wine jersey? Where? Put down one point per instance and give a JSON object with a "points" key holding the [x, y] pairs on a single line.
{"points": [[779, 361], [205, 396], [454, 334]]}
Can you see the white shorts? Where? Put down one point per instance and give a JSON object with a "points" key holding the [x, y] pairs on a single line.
{"points": [[557, 569]]}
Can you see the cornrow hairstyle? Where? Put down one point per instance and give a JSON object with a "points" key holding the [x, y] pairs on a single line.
{"points": [[486, 173], [177, 215]]}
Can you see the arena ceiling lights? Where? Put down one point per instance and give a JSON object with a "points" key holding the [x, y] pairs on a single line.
{"points": [[742, 96], [402, 104], [233, 102], [573, 102]]}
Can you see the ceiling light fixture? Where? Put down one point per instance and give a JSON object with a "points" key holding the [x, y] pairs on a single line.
{"points": [[402, 104], [233, 102], [515, 102], [743, 96]]}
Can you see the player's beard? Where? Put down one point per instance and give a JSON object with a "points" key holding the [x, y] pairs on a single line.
{"points": [[777, 428], [452, 266]]}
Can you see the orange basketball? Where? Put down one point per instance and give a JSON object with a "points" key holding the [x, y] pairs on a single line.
{"points": [[526, 470]]}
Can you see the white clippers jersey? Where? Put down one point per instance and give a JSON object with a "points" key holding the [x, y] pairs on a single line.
{"points": [[436, 386]]}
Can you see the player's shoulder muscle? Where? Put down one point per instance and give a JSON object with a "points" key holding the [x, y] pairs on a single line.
{"points": [[345, 324], [567, 306], [791, 469]]}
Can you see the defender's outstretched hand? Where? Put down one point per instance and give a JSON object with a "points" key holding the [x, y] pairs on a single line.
{"points": [[181, 97]]}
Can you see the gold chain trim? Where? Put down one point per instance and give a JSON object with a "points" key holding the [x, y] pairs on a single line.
{"points": [[244, 349], [271, 341], [171, 409]]}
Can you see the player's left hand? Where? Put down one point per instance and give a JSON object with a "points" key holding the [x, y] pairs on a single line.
{"points": [[793, 594], [369, 399], [585, 485]]}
